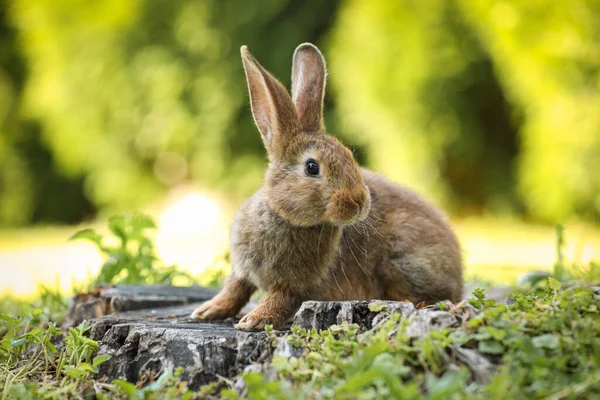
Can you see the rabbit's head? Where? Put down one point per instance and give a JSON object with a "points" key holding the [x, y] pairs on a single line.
{"points": [[312, 178]]}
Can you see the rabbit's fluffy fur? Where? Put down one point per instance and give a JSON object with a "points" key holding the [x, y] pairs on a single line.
{"points": [[344, 234]]}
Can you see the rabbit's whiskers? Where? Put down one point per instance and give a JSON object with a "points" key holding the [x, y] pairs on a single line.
{"points": [[366, 243], [369, 223], [319, 245], [374, 177], [354, 243], [365, 233], [342, 264], [374, 217], [337, 283], [343, 270], [354, 255]]}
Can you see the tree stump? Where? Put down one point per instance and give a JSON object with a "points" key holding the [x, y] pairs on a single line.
{"points": [[147, 330], [144, 343]]}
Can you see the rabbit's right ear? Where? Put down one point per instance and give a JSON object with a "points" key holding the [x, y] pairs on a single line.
{"points": [[272, 107], [308, 86]]}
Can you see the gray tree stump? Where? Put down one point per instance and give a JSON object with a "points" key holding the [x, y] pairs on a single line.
{"points": [[147, 330], [144, 343]]}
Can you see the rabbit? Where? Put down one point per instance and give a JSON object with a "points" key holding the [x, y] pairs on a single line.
{"points": [[321, 227]]}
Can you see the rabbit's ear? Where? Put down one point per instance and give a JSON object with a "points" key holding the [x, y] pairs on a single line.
{"points": [[272, 107], [308, 86]]}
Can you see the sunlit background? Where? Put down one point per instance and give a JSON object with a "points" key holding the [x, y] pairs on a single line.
{"points": [[491, 109]]}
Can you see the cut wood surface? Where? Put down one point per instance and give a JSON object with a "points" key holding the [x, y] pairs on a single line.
{"points": [[106, 300]]}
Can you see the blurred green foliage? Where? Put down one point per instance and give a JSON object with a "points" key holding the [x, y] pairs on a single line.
{"points": [[415, 84], [130, 255], [484, 107], [547, 55]]}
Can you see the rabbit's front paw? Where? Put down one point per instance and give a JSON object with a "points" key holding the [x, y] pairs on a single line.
{"points": [[256, 321], [214, 309]]}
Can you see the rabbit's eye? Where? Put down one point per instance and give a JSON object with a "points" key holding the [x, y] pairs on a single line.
{"points": [[312, 168]]}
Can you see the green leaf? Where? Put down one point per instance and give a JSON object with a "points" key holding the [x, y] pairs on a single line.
{"points": [[459, 337], [497, 334], [229, 394], [160, 382], [140, 222], [377, 306], [553, 283], [358, 381], [100, 359], [491, 347], [252, 378], [479, 293], [35, 333], [386, 362], [127, 387], [19, 392], [116, 224], [85, 367], [528, 349], [36, 312], [546, 341], [451, 382], [88, 234], [18, 342], [51, 347], [367, 355]]}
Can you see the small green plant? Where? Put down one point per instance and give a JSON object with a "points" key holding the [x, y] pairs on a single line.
{"points": [[130, 253], [167, 386], [52, 302], [34, 363], [38, 362]]}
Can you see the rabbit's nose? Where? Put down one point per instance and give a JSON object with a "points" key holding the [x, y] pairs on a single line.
{"points": [[363, 200], [359, 198], [352, 205]]}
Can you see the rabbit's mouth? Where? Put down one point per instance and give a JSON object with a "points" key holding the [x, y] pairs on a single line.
{"points": [[348, 207], [349, 222]]}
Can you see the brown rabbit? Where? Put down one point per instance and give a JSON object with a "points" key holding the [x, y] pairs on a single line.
{"points": [[322, 228]]}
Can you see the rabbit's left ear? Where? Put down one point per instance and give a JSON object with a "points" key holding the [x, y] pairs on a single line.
{"points": [[308, 86], [272, 107]]}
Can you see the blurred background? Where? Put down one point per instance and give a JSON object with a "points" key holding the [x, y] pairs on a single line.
{"points": [[490, 109]]}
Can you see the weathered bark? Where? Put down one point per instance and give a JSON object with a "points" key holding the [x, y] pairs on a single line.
{"points": [[321, 315], [142, 344]]}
